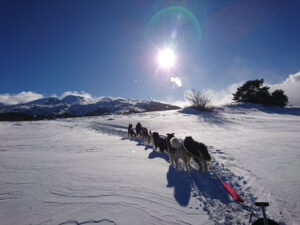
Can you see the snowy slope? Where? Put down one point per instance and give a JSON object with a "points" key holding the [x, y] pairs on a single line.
{"points": [[85, 170]]}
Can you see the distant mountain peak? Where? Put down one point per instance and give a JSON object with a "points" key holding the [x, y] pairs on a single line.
{"points": [[72, 99], [44, 101]]}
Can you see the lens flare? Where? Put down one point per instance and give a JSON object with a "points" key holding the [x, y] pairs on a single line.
{"points": [[178, 16], [166, 58]]}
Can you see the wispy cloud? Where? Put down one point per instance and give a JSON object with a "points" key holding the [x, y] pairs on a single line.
{"points": [[173, 101], [291, 87], [223, 96], [22, 97], [177, 81], [77, 93]]}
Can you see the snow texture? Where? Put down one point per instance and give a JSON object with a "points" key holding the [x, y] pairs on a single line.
{"points": [[86, 170]]}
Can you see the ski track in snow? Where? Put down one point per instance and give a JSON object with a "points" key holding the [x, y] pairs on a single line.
{"points": [[103, 221], [204, 187]]}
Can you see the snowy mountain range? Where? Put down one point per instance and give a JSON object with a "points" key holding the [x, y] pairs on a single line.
{"points": [[77, 106]]}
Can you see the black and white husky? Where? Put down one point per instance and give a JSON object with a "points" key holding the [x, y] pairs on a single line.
{"points": [[176, 152]]}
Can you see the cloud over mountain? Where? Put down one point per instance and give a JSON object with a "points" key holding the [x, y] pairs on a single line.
{"points": [[77, 93], [22, 97]]}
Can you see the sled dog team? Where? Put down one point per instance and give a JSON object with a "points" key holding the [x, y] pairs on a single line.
{"points": [[177, 149]]}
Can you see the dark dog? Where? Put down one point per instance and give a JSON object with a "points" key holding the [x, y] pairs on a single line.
{"points": [[198, 151], [131, 132], [144, 134], [155, 137], [159, 142], [138, 129], [162, 144]]}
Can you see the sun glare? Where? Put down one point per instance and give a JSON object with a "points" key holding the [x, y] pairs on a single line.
{"points": [[166, 58]]}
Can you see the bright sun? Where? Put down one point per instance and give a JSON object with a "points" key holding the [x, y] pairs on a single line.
{"points": [[166, 58]]}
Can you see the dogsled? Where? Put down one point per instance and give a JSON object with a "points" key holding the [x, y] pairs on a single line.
{"points": [[197, 151], [259, 220]]}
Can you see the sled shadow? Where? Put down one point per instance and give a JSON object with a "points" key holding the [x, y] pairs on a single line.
{"points": [[209, 117], [200, 184]]}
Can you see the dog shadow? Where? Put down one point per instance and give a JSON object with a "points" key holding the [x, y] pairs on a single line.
{"points": [[209, 117], [139, 143], [184, 183], [182, 186], [195, 183], [155, 154]]}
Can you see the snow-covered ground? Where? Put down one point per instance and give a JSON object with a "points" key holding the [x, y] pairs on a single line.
{"points": [[86, 171]]}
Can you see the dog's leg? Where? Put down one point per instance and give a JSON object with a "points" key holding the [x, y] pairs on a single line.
{"points": [[172, 159], [189, 157], [186, 163]]}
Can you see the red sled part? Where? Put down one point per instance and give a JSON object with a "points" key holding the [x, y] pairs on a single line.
{"points": [[232, 192]]}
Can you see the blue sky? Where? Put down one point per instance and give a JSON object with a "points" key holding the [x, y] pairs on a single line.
{"points": [[109, 48]]}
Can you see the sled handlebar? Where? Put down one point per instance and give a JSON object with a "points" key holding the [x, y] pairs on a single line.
{"points": [[262, 203]]}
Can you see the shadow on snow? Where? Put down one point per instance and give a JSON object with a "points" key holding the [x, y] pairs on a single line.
{"points": [[209, 117], [198, 184], [266, 109]]}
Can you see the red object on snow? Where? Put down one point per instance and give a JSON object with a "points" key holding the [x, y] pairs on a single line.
{"points": [[232, 192]]}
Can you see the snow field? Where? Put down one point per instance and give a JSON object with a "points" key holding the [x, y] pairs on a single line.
{"points": [[86, 171], [58, 174]]}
